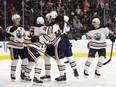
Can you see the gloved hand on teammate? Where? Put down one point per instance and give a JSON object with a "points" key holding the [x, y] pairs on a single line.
{"points": [[35, 39]]}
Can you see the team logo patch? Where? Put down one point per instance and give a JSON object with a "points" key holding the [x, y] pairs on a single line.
{"points": [[18, 33], [97, 36]]}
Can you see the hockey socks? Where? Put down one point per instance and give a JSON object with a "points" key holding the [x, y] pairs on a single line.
{"points": [[87, 65], [61, 67], [28, 70], [73, 66], [38, 66], [13, 69], [24, 64], [99, 66]]}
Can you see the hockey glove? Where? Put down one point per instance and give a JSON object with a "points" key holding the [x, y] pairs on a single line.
{"points": [[11, 38], [112, 38], [35, 39]]}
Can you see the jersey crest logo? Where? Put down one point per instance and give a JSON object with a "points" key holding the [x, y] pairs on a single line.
{"points": [[18, 34], [97, 36]]}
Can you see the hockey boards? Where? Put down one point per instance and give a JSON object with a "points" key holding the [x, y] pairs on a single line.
{"points": [[110, 55]]}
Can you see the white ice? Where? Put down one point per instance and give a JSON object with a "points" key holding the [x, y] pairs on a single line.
{"points": [[108, 78]]}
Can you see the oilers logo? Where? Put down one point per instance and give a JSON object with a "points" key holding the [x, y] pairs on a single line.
{"points": [[18, 34], [97, 36]]}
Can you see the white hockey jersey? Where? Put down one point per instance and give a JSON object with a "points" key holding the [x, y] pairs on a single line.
{"points": [[98, 37], [45, 33], [18, 34]]}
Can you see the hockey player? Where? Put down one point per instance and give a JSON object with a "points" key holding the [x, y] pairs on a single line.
{"points": [[34, 60], [98, 44], [16, 46], [50, 50], [37, 35], [64, 49]]}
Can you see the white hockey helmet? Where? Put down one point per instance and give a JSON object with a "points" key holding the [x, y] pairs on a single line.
{"points": [[53, 14], [47, 16], [66, 18], [40, 20], [15, 16], [96, 20]]}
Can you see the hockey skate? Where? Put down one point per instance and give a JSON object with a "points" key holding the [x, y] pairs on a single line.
{"points": [[37, 82], [61, 79], [13, 78], [46, 78], [27, 78], [76, 73], [85, 73], [22, 76], [97, 75]]}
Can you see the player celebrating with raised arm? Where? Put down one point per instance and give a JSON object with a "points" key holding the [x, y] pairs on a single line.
{"points": [[98, 44]]}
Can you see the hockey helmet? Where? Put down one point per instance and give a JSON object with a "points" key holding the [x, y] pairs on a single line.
{"points": [[66, 18], [15, 16], [96, 20], [59, 18], [40, 20], [53, 14]]}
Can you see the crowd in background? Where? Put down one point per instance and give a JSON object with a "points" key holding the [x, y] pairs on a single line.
{"points": [[80, 12]]}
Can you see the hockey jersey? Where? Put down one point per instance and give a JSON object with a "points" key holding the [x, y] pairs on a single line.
{"points": [[18, 34], [98, 37]]}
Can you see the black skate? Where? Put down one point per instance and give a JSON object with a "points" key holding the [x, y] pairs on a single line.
{"points": [[22, 76], [46, 78], [97, 75], [76, 73], [27, 78], [37, 82], [85, 73], [13, 78], [61, 78]]}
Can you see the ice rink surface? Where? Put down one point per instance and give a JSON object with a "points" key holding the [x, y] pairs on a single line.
{"points": [[108, 78]]}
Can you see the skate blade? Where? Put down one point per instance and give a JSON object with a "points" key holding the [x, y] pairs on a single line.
{"points": [[46, 80], [37, 84], [61, 82], [12, 80], [97, 76]]}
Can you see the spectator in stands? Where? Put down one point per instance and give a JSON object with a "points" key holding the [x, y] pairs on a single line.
{"points": [[76, 23], [95, 15], [86, 5], [84, 30], [100, 7], [106, 4], [93, 5], [1, 17], [10, 8], [50, 4], [108, 20], [78, 10], [114, 23], [1, 36], [114, 6], [27, 11]]}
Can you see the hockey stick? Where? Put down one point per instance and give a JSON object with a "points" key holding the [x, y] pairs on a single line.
{"points": [[35, 48], [43, 52], [110, 55]]}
